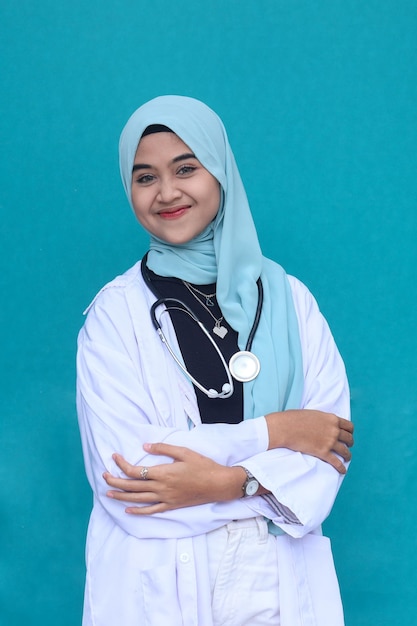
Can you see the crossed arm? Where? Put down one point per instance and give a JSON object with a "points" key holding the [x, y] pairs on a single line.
{"points": [[193, 479], [117, 415]]}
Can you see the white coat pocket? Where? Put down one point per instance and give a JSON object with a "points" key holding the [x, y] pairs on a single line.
{"points": [[308, 582], [160, 604]]}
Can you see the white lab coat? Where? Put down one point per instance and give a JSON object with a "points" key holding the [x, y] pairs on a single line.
{"points": [[153, 570]]}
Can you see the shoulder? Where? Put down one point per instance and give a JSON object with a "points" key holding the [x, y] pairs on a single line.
{"points": [[110, 317], [301, 294], [303, 300], [306, 306], [116, 289], [275, 272]]}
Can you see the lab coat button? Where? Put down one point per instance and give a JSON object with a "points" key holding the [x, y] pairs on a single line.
{"points": [[184, 557]]}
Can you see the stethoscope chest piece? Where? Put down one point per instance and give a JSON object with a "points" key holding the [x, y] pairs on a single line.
{"points": [[244, 366]]}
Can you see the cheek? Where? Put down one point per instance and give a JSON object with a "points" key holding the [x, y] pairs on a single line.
{"points": [[215, 197], [138, 198], [210, 192]]}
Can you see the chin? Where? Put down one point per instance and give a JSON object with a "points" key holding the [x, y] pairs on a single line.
{"points": [[178, 239]]}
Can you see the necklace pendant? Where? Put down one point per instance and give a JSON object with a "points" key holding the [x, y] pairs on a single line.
{"points": [[209, 301], [220, 331]]}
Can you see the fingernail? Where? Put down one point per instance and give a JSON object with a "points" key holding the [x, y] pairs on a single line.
{"points": [[147, 447]]}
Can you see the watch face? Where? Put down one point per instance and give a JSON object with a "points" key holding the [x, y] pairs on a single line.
{"points": [[252, 487]]}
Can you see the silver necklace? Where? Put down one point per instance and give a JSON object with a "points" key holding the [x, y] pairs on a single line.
{"points": [[218, 329], [207, 296]]}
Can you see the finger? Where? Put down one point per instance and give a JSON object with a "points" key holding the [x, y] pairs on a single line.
{"points": [[127, 468], [346, 425], [166, 449], [147, 510], [342, 450], [126, 484], [140, 472], [346, 438], [147, 497], [336, 463]]}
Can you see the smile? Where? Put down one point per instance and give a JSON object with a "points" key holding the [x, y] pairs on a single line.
{"points": [[173, 213]]}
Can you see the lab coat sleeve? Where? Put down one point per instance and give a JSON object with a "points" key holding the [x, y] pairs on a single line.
{"points": [[304, 487], [117, 413]]}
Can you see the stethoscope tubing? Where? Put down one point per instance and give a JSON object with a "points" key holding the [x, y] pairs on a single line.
{"points": [[228, 388], [248, 361], [255, 325], [257, 318]]}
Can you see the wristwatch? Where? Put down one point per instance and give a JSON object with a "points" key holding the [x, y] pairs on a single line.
{"points": [[251, 485]]}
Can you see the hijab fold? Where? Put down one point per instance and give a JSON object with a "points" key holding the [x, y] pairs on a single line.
{"points": [[226, 252]]}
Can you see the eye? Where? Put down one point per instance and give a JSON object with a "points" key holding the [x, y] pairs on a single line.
{"points": [[185, 170], [144, 179]]}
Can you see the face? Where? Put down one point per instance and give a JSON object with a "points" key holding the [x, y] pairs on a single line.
{"points": [[173, 196]]}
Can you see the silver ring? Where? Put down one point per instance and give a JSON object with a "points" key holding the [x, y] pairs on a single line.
{"points": [[144, 473]]}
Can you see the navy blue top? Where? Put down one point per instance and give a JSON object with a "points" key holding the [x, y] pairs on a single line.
{"points": [[200, 357]]}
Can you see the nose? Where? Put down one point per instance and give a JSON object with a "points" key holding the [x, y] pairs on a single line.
{"points": [[168, 190]]}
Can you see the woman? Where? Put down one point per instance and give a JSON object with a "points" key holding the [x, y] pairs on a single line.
{"points": [[215, 454]]}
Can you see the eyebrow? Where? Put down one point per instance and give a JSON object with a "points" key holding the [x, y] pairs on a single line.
{"points": [[180, 157]]}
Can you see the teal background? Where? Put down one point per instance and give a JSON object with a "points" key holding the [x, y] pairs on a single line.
{"points": [[319, 99]]}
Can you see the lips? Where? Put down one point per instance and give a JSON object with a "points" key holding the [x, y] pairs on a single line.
{"points": [[173, 212]]}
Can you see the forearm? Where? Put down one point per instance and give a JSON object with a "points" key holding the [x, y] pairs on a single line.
{"points": [[304, 487]]}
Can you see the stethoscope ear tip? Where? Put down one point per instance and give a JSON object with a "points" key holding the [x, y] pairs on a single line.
{"points": [[226, 391]]}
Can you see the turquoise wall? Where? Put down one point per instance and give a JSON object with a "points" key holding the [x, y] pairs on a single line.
{"points": [[320, 102]]}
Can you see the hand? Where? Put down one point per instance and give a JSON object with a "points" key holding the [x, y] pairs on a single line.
{"points": [[320, 434], [190, 480]]}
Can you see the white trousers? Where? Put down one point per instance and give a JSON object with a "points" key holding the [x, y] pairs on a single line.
{"points": [[244, 574]]}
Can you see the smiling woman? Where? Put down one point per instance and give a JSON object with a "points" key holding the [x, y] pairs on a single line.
{"points": [[205, 512], [173, 196]]}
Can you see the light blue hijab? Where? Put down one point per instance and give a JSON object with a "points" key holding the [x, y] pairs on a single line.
{"points": [[226, 252]]}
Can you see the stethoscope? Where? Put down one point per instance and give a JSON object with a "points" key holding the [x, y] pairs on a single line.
{"points": [[243, 366]]}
